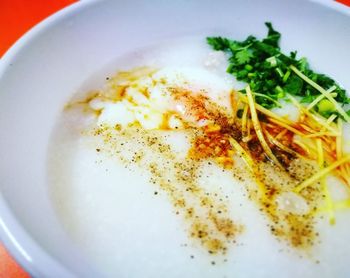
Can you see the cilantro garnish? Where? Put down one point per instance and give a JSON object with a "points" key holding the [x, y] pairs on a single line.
{"points": [[267, 70]]}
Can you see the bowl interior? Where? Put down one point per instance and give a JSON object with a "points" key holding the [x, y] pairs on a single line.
{"points": [[44, 69]]}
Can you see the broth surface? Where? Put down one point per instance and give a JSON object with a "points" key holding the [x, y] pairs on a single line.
{"points": [[135, 203]]}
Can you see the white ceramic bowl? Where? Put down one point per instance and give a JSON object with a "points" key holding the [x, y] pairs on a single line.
{"points": [[41, 71]]}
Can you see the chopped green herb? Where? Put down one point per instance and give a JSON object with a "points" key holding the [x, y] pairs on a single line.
{"points": [[267, 70]]}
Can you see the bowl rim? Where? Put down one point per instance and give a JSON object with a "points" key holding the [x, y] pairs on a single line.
{"points": [[38, 262]]}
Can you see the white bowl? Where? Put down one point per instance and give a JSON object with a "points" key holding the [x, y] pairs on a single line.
{"points": [[41, 71]]}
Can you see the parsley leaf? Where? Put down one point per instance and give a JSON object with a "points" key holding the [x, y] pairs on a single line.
{"points": [[243, 56], [294, 85], [218, 43], [273, 36]]}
